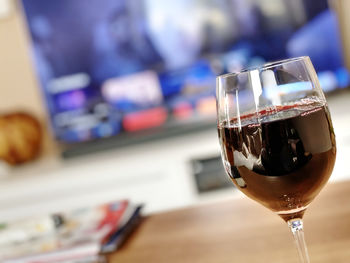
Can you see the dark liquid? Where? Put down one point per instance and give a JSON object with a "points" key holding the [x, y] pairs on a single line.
{"points": [[282, 161]]}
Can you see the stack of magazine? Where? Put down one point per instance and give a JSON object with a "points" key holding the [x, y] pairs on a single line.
{"points": [[78, 236]]}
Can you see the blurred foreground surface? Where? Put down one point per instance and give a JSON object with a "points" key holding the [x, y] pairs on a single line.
{"points": [[241, 230]]}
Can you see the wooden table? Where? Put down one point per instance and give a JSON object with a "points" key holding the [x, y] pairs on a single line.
{"points": [[242, 231]]}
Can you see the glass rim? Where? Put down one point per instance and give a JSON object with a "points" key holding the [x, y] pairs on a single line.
{"points": [[264, 66]]}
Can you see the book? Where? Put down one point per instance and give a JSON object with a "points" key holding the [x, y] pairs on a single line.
{"points": [[79, 234], [119, 237], [74, 253]]}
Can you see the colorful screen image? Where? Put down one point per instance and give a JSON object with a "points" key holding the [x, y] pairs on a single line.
{"points": [[108, 67]]}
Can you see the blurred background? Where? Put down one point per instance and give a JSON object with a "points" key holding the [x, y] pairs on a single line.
{"points": [[104, 100]]}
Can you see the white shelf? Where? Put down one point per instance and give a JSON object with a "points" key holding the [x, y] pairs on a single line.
{"points": [[156, 173], [153, 173]]}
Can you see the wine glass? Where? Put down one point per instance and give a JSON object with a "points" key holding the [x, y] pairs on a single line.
{"points": [[276, 136]]}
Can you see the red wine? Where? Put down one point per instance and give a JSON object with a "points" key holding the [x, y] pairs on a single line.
{"points": [[282, 157]]}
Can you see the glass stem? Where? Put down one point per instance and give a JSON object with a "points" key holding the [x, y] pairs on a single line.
{"points": [[296, 226]]}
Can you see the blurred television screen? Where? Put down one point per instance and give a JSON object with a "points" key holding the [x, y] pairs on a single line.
{"points": [[109, 67]]}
